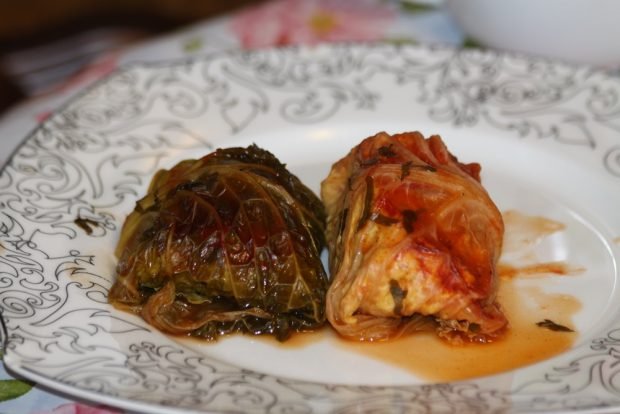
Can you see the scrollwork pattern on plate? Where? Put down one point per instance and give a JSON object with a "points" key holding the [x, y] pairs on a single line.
{"points": [[145, 113], [91, 160], [612, 160]]}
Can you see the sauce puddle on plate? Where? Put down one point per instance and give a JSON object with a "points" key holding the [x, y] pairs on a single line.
{"points": [[427, 356], [537, 269], [524, 343], [522, 234]]}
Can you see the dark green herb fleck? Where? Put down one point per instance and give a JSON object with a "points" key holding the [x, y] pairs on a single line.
{"points": [[474, 327], [367, 202], [409, 217], [369, 162], [383, 220], [398, 294], [85, 224], [343, 221], [386, 151], [549, 324], [405, 169]]}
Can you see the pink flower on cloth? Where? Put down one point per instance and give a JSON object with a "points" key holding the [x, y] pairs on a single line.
{"points": [[101, 67], [77, 408], [289, 22], [42, 116]]}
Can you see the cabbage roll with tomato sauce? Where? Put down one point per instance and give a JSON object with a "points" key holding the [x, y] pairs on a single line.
{"points": [[413, 240], [227, 243]]}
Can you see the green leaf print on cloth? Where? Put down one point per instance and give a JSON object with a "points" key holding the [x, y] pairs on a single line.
{"points": [[12, 388]]}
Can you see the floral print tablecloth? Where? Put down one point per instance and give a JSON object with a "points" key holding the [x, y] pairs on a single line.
{"points": [[275, 23]]}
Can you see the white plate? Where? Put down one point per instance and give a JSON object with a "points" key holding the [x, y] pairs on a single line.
{"points": [[547, 136]]}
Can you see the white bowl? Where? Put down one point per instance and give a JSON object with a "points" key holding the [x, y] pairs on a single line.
{"points": [[580, 31]]}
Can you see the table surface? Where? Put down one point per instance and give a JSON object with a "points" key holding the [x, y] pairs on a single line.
{"points": [[399, 21]]}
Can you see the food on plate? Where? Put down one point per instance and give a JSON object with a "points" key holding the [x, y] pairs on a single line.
{"points": [[413, 240], [227, 243]]}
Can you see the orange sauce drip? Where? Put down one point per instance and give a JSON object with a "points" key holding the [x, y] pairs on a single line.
{"points": [[523, 232], [537, 269], [617, 240]]}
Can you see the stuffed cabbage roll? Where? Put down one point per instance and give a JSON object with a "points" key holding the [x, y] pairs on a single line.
{"points": [[413, 242], [227, 243]]}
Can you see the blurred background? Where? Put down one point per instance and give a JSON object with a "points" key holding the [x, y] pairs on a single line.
{"points": [[44, 42]]}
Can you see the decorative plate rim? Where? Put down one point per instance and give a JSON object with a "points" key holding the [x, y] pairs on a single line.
{"points": [[75, 130]]}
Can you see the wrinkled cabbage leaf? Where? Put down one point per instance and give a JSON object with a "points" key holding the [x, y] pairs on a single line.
{"points": [[413, 242], [227, 243]]}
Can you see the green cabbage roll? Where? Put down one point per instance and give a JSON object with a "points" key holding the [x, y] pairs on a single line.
{"points": [[227, 243]]}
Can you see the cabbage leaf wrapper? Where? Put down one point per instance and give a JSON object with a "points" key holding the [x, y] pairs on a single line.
{"points": [[227, 243], [413, 242]]}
